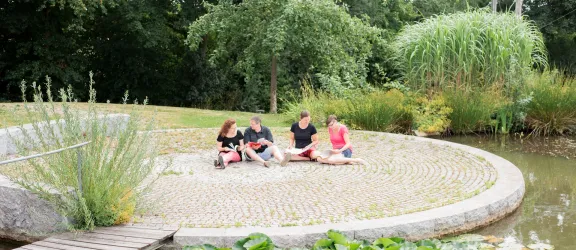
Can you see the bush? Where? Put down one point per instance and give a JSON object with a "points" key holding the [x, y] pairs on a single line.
{"points": [[320, 104], [472, 111], [113, 166], [431, 115], [467, 49], [553, 106], [378, 111]]}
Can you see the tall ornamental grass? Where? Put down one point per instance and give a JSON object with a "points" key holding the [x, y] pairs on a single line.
{"points": [[467, 49], [553, 106], [113, 166]]}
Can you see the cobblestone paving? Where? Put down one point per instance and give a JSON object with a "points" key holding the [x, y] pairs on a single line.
{"points": [[403, 176]]}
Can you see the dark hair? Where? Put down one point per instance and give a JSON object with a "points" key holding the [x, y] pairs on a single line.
{"points": [[304, 114], [256, 119], [226, 126], [330, 119]]}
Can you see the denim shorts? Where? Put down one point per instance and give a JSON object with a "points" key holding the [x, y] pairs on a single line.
{"points": [[265, 155], [347, 153]]}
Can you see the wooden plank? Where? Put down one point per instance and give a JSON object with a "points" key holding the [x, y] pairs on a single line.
{"points": [[109, 242], [58, 246], [122, 238], [86, 245], [33, 247], [139, 230], [128, 234]]}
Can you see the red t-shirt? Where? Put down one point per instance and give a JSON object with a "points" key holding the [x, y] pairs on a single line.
{"points": [[337, 138]]}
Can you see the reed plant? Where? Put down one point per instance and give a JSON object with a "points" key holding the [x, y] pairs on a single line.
{"points": [[377, 111], [473, 111], [553, 106], [113, 167], [468, 49], [319, 103], [386, 111]]}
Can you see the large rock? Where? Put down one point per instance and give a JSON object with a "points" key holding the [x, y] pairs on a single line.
{"points": [[24, 216]]}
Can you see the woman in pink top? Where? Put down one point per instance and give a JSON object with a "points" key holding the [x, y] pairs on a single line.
{"points": [[341, 152]]}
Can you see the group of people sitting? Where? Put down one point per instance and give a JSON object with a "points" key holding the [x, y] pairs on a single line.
{"points": [[257, 143]]}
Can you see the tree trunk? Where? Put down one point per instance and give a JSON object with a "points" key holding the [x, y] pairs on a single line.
{"points": [[494, 5], [273, 87], [518, 8], [204, 46]]}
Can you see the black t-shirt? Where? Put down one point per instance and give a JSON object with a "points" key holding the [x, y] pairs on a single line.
{"points": [[303, 137], [231, 142]]}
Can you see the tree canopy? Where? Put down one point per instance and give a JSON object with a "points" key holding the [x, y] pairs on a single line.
{"points": [[291, 39], [241, 49]]}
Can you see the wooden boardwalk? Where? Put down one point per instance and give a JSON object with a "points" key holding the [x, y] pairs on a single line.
{"points": [[112, 238]]}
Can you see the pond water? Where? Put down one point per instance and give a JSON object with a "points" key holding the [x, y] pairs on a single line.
{"points": [[548, 212]]}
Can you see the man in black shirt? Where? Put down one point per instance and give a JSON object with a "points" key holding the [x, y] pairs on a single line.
{"points": [[260, 144]]}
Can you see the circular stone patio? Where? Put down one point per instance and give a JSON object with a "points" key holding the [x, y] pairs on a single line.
{"points": [[413, 187]]}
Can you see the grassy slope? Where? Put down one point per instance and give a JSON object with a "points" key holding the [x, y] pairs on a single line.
{"points": [[168, 117]]}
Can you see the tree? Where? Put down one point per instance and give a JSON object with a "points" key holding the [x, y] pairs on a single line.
{"points": [[42, 37], [555, 19], [428, 8], [294, 38]]}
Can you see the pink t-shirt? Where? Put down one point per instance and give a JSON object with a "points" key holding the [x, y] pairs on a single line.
{"points": [[337, 138]]}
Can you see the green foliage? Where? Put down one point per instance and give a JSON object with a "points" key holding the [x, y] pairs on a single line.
{"points": [[429, 8], [377, 111], [431, 115], [553, 107], [338, 241], [113, 166], [317, 38], [469, 49], [472, 111], [556, 21]]}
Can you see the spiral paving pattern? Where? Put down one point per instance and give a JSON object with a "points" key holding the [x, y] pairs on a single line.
{"points": [[403, 176]]}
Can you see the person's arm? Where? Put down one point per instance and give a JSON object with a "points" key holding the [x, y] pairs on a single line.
{"points": [[220, 148], [269, 138], [241, 148], [315, 140], [292, 129], [240, 140], [291, 140], [347, 141]]}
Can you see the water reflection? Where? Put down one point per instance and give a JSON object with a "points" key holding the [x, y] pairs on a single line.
{"points": [[547, 214]]}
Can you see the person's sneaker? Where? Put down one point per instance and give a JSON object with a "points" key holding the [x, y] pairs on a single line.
{"points": [[267, 164], [221, 162], [286, 159]]}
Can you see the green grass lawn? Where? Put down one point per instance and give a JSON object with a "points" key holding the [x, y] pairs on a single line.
{"points": [[168, 117]]}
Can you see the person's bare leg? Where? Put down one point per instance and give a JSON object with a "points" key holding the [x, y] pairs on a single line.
{"points": [[339, 160], [254, 156], [314, 155], [276, 153], [299, 158]]}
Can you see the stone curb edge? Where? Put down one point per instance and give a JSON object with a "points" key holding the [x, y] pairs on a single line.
{"points": [[480, 210]]}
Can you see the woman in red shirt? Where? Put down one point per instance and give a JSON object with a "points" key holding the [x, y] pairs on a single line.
{"points": [[341, 152]]}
